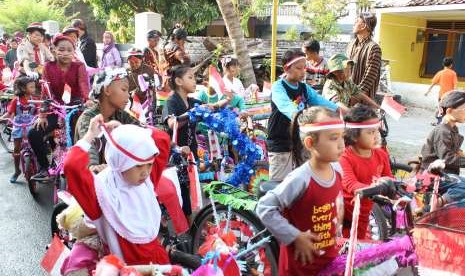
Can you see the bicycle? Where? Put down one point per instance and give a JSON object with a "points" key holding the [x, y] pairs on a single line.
{"points": [[5, 127], [28, 160]]}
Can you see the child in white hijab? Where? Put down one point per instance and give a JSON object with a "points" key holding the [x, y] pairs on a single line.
{"points": [[121, 200]]}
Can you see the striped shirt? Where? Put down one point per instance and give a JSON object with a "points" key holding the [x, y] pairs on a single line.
{"points": [[367, 69]]}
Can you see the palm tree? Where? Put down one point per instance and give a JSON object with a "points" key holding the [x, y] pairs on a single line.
{"points": [[232, 22]]}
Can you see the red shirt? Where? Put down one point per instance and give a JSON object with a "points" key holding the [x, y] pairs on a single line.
{"points": [[76, 77], [12, 105], [359, 172], [314, 211], [81, 186]]}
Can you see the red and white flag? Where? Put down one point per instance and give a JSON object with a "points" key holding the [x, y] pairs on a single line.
{"points": [[392, 108], [194, 184], [215, 80], [66, 97], [54, 257], [266, 89]]}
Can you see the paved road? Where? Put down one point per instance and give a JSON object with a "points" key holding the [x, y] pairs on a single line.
{"points": [[24, 223]]}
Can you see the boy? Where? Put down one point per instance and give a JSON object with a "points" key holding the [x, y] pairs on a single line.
{"points": [[339, 88], [447, 80], [444, 141], [316, 66], [10, 57]]}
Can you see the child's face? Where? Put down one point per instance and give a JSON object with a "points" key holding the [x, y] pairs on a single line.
{"points": [[233, 70], [106, 38], [135, 63], [30, 88], [296, 72], [187, 82], [309, 55], [13, 44], [118, 93], [330, 143], [458, 114], [64, 51], [36, 37], [368, 138], [153, 42], [137, 174]]}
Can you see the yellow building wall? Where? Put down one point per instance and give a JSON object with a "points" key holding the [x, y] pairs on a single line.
{"points": [[397, 40]]}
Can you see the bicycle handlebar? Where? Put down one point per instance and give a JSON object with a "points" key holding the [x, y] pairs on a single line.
{"points": [[154, 269], [389, 189], [23, 124]]}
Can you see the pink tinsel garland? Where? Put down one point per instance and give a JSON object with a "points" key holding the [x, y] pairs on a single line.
{"points": [[399, 247]]}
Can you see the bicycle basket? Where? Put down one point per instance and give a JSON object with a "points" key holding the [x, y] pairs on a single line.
{"points": [[439, 239]]}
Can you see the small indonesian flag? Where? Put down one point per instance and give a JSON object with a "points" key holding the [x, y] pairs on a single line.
{"points": [[214, 145], [393, 108], [54, 257], [66, 97], [194, 184], [138, 110], [215, 80]]}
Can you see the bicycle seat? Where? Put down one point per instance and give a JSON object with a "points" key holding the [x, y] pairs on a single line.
{"points": [[267, 186]]}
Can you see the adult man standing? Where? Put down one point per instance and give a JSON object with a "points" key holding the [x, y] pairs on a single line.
{"points": [[86, 43], [366, 54]]}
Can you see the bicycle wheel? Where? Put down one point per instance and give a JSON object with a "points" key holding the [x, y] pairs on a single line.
{"points": [[245, 225], [29, 169], [6, 140], [55, 230], [377, 226]]}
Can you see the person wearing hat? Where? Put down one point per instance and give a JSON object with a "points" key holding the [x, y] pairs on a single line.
{"points": [[444, 141], [86, 43], [137, 67], [339, 88], [151, 54], [366, 54], [73, 34], [32, 51], [174, 51]]}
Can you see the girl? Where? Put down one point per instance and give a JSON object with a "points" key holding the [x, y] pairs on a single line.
{"points": [[110, 55], [339, 88], [23, 112], [121, 201], [288, 96], [110, 90], [362, 162], [59, 74], [310, 196], [231, 71]]}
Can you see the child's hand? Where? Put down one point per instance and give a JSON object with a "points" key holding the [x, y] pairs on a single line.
{"points": [[94, 128], [304, 248], [185, 151]]}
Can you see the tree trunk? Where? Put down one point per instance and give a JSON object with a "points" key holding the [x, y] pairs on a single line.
{"points": [[232, 21]]}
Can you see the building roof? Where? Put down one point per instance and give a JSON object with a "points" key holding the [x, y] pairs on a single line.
{"points": [[414, 3]]}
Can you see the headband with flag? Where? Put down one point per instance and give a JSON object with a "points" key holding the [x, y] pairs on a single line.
{"points": [[292, 61], [109, 138], [375, 123], [322, 126]]}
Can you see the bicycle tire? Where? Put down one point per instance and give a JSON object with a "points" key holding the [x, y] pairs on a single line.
{"points": [[29, 170], [378, 219], [206, 215], [5, 138]]}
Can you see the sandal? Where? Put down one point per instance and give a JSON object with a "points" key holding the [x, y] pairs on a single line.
{"points": [[14, 177]]}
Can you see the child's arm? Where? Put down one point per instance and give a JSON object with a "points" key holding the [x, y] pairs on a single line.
{"points": [[433, 83], [349, 180], [444, 148]]}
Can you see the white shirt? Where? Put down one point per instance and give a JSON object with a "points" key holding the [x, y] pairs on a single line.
{"points": [[235, 86]]}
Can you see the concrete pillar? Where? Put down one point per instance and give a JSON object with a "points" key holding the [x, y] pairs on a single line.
{"points": [[143, 23], [51, 27]]}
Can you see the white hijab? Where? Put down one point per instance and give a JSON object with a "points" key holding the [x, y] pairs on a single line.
{"points": [[132, 211]]}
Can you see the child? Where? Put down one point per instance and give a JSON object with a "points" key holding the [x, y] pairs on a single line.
{"points": [[339, 88], [310, 196], [316, 66], [23, 112], [288, 96], [447, 80], [64, 71], [121, 201], [111, 91], [230, 72], [11, 57], [444, 141], [151, 52], [362, 162]]}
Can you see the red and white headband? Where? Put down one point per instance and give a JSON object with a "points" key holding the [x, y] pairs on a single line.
{"points": [[307, 128], [110, 139], [375, 123], [292, 61]]}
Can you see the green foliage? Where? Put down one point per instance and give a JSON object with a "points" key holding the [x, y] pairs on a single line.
{"points": [[16, 15], [292, 34], [194, 15], [322, 16]]}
